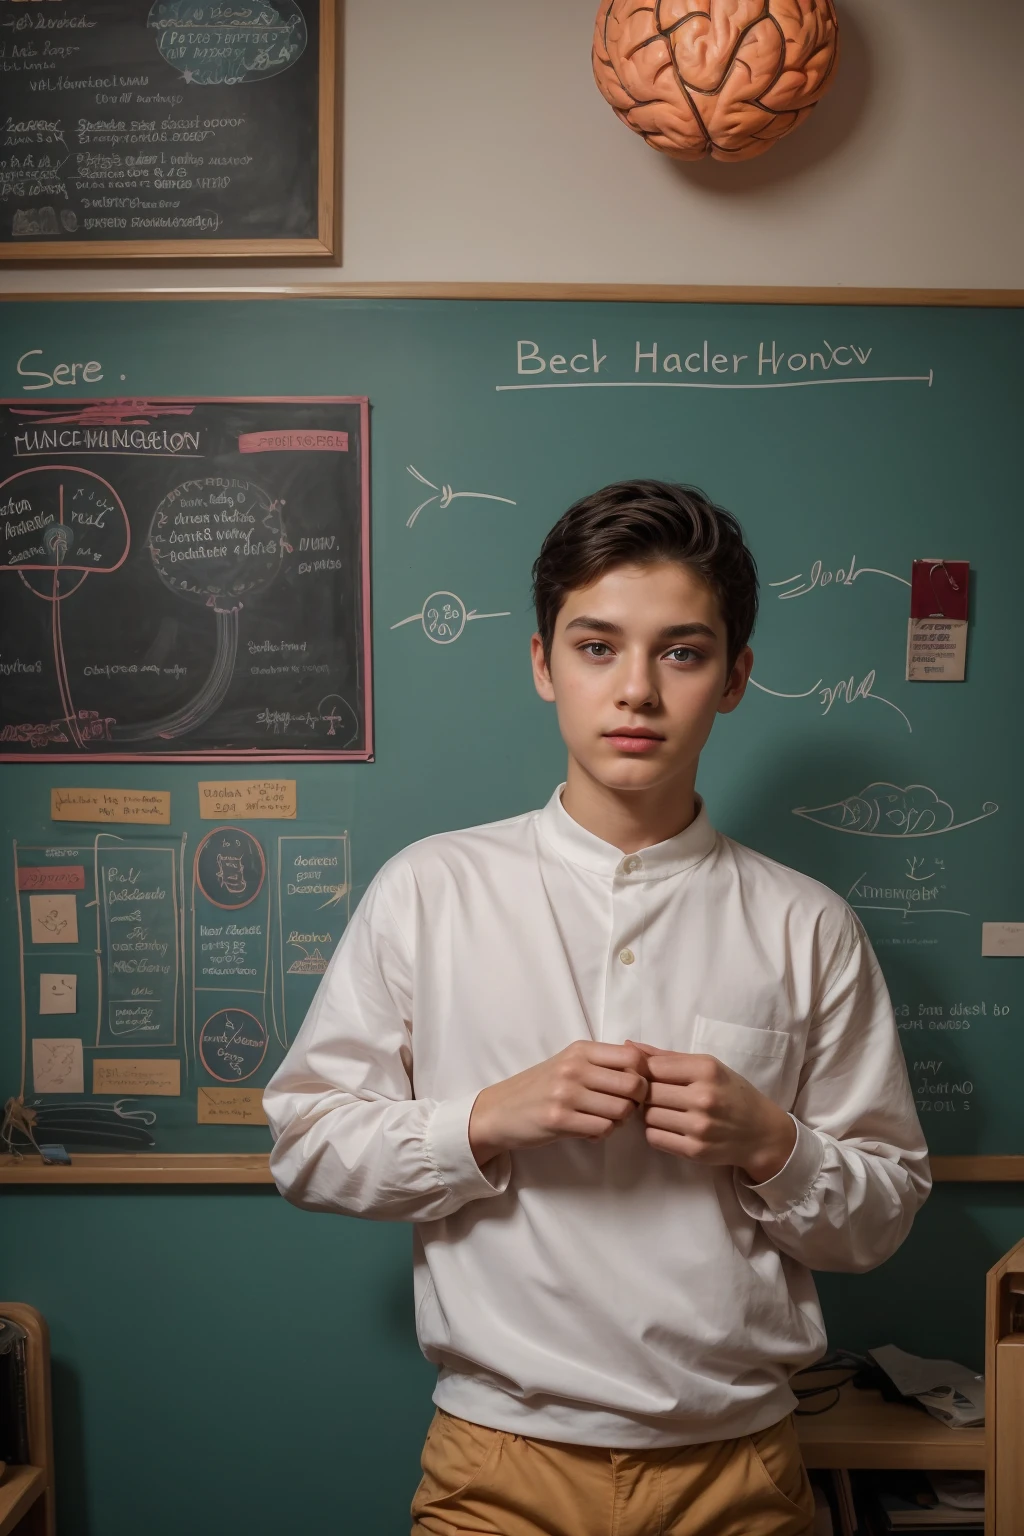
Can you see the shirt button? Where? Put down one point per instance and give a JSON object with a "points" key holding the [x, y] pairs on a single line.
{"points": [[626, 956], [632, 864]]}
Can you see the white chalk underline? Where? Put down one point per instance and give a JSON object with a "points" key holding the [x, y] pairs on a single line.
{"points": [[894, 378]]}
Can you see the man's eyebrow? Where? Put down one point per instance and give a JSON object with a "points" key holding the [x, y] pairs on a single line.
{"points": [[673, 632]]}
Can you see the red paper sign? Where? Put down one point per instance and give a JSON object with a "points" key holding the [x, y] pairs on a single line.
{"points": [[304, 440], [939, 589], [51, 877]]}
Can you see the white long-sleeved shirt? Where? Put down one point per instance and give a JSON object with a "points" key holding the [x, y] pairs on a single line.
{"points": [[603, 1292]]}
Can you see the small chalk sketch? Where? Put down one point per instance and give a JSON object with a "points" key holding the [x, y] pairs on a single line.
{"points": [[444, 496], [843, 576], [309, 963], [444, 617], [57, 1066], [230, 867], [232, 1044], [887, 810], [847, 691]]}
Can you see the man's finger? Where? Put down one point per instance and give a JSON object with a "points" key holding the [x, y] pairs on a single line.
{"points": [[682, 1067]]}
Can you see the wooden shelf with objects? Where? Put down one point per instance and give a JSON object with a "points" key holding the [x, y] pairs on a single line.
{"points": [[863, 1431], [26, 1492]]}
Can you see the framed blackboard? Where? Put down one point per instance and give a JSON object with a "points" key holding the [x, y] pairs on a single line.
{"points": [[185, 578], [169, 129]]}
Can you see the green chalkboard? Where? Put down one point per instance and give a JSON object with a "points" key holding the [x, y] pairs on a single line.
{"points": [[849, 440]]}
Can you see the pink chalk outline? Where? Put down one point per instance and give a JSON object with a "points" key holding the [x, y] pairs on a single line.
{"points": [[166, 404]]}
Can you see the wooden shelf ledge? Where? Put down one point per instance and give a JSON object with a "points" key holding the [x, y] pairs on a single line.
{"points": [[140, 1168], [20, 1488], [254, 1168], [863, 1430]]}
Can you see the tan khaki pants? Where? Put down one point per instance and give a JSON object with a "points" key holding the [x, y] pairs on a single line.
{"points": [[490, 1483]]}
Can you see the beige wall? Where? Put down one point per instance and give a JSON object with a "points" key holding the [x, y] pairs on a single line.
{"points": [[477, 148]]}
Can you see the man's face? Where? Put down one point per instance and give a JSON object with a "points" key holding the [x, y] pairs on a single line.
{"points": [[638, 670]]}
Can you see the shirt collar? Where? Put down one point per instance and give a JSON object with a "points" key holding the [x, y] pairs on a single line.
{"points": [[584, 848]]}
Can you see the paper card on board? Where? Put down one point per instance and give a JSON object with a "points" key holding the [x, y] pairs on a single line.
{"points": [[259, 799], [937, 630], [1002, 939], [127, 807], [231, 1106], [54, 919], [57, 1066], [143, 1079], [58, 993]]}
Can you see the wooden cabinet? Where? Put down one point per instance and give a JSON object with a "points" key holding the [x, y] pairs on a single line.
{"points": [[26, 1493]]}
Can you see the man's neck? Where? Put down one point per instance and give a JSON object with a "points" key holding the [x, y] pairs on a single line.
{"points": [[628, 819]]}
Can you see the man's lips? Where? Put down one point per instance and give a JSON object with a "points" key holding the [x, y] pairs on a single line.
{"points": [[634, 741], [641, 732]]}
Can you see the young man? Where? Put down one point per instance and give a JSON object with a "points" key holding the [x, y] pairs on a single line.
{"points": [[630, 1081]]}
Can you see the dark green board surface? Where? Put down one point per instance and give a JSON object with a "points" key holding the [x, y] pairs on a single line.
{"points": [[834, 472], [274, 1352]]}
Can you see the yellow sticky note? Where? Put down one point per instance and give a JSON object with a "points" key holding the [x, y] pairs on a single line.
{"points": [[58, 993], [231, 1106], [145, 1079], [54, 919], [262, 799], [138, 807]]}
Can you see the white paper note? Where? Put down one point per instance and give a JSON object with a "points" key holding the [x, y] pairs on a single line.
{"points": [[1002, 939], [58, 993], [57, 1066]]}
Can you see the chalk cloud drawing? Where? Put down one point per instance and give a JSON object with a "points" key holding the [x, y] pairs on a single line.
{"points": [[444, 496], [889, 810], [444, 617]]}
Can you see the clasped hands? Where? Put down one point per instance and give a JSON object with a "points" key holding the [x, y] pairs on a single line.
{"points": [[692, 1106]]}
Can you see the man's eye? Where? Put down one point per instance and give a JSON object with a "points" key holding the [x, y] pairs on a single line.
{"points": [[593, 647], [685, 653]]}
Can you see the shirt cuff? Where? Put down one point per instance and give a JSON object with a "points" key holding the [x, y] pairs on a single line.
{"points": [[452, 1156], [792, 1182]]}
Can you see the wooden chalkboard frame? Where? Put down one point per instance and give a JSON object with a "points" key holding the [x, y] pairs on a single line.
{"points": [[327, 244], [234, 1168]]}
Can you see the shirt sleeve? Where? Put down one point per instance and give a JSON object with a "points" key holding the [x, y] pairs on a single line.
{"points": [[349, 1134], [859, 1171]]}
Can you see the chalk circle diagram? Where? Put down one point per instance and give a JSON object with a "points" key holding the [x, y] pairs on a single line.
{"points": [[213, 44], [887, 810], [232, 1044], [214, 542], [63, 525], [230, 868], [444, 617]]}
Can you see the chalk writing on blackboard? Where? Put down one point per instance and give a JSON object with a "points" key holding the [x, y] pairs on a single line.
{"points": [[444, 617], [212, 614], [444, 496], [887, 810], [818, 577], [176, 120]]}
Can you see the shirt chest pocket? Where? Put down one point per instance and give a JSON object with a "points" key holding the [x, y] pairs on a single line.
{"points": [[759, 1055]]}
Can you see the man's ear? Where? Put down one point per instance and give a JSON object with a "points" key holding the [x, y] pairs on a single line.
{"points": [[541, 671], [736, 685]]}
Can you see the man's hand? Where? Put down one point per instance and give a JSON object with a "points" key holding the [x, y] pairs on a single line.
{"points": [[585, 1091], [697, 1107]]}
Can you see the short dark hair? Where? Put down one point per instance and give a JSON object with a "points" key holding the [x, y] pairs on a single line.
{"points": [[641, 522]]}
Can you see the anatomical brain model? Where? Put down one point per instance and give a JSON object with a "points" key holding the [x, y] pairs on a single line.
{"points": [[725, 78]]}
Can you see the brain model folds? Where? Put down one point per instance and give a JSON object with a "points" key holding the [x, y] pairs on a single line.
{"points": [[726, 78]]}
